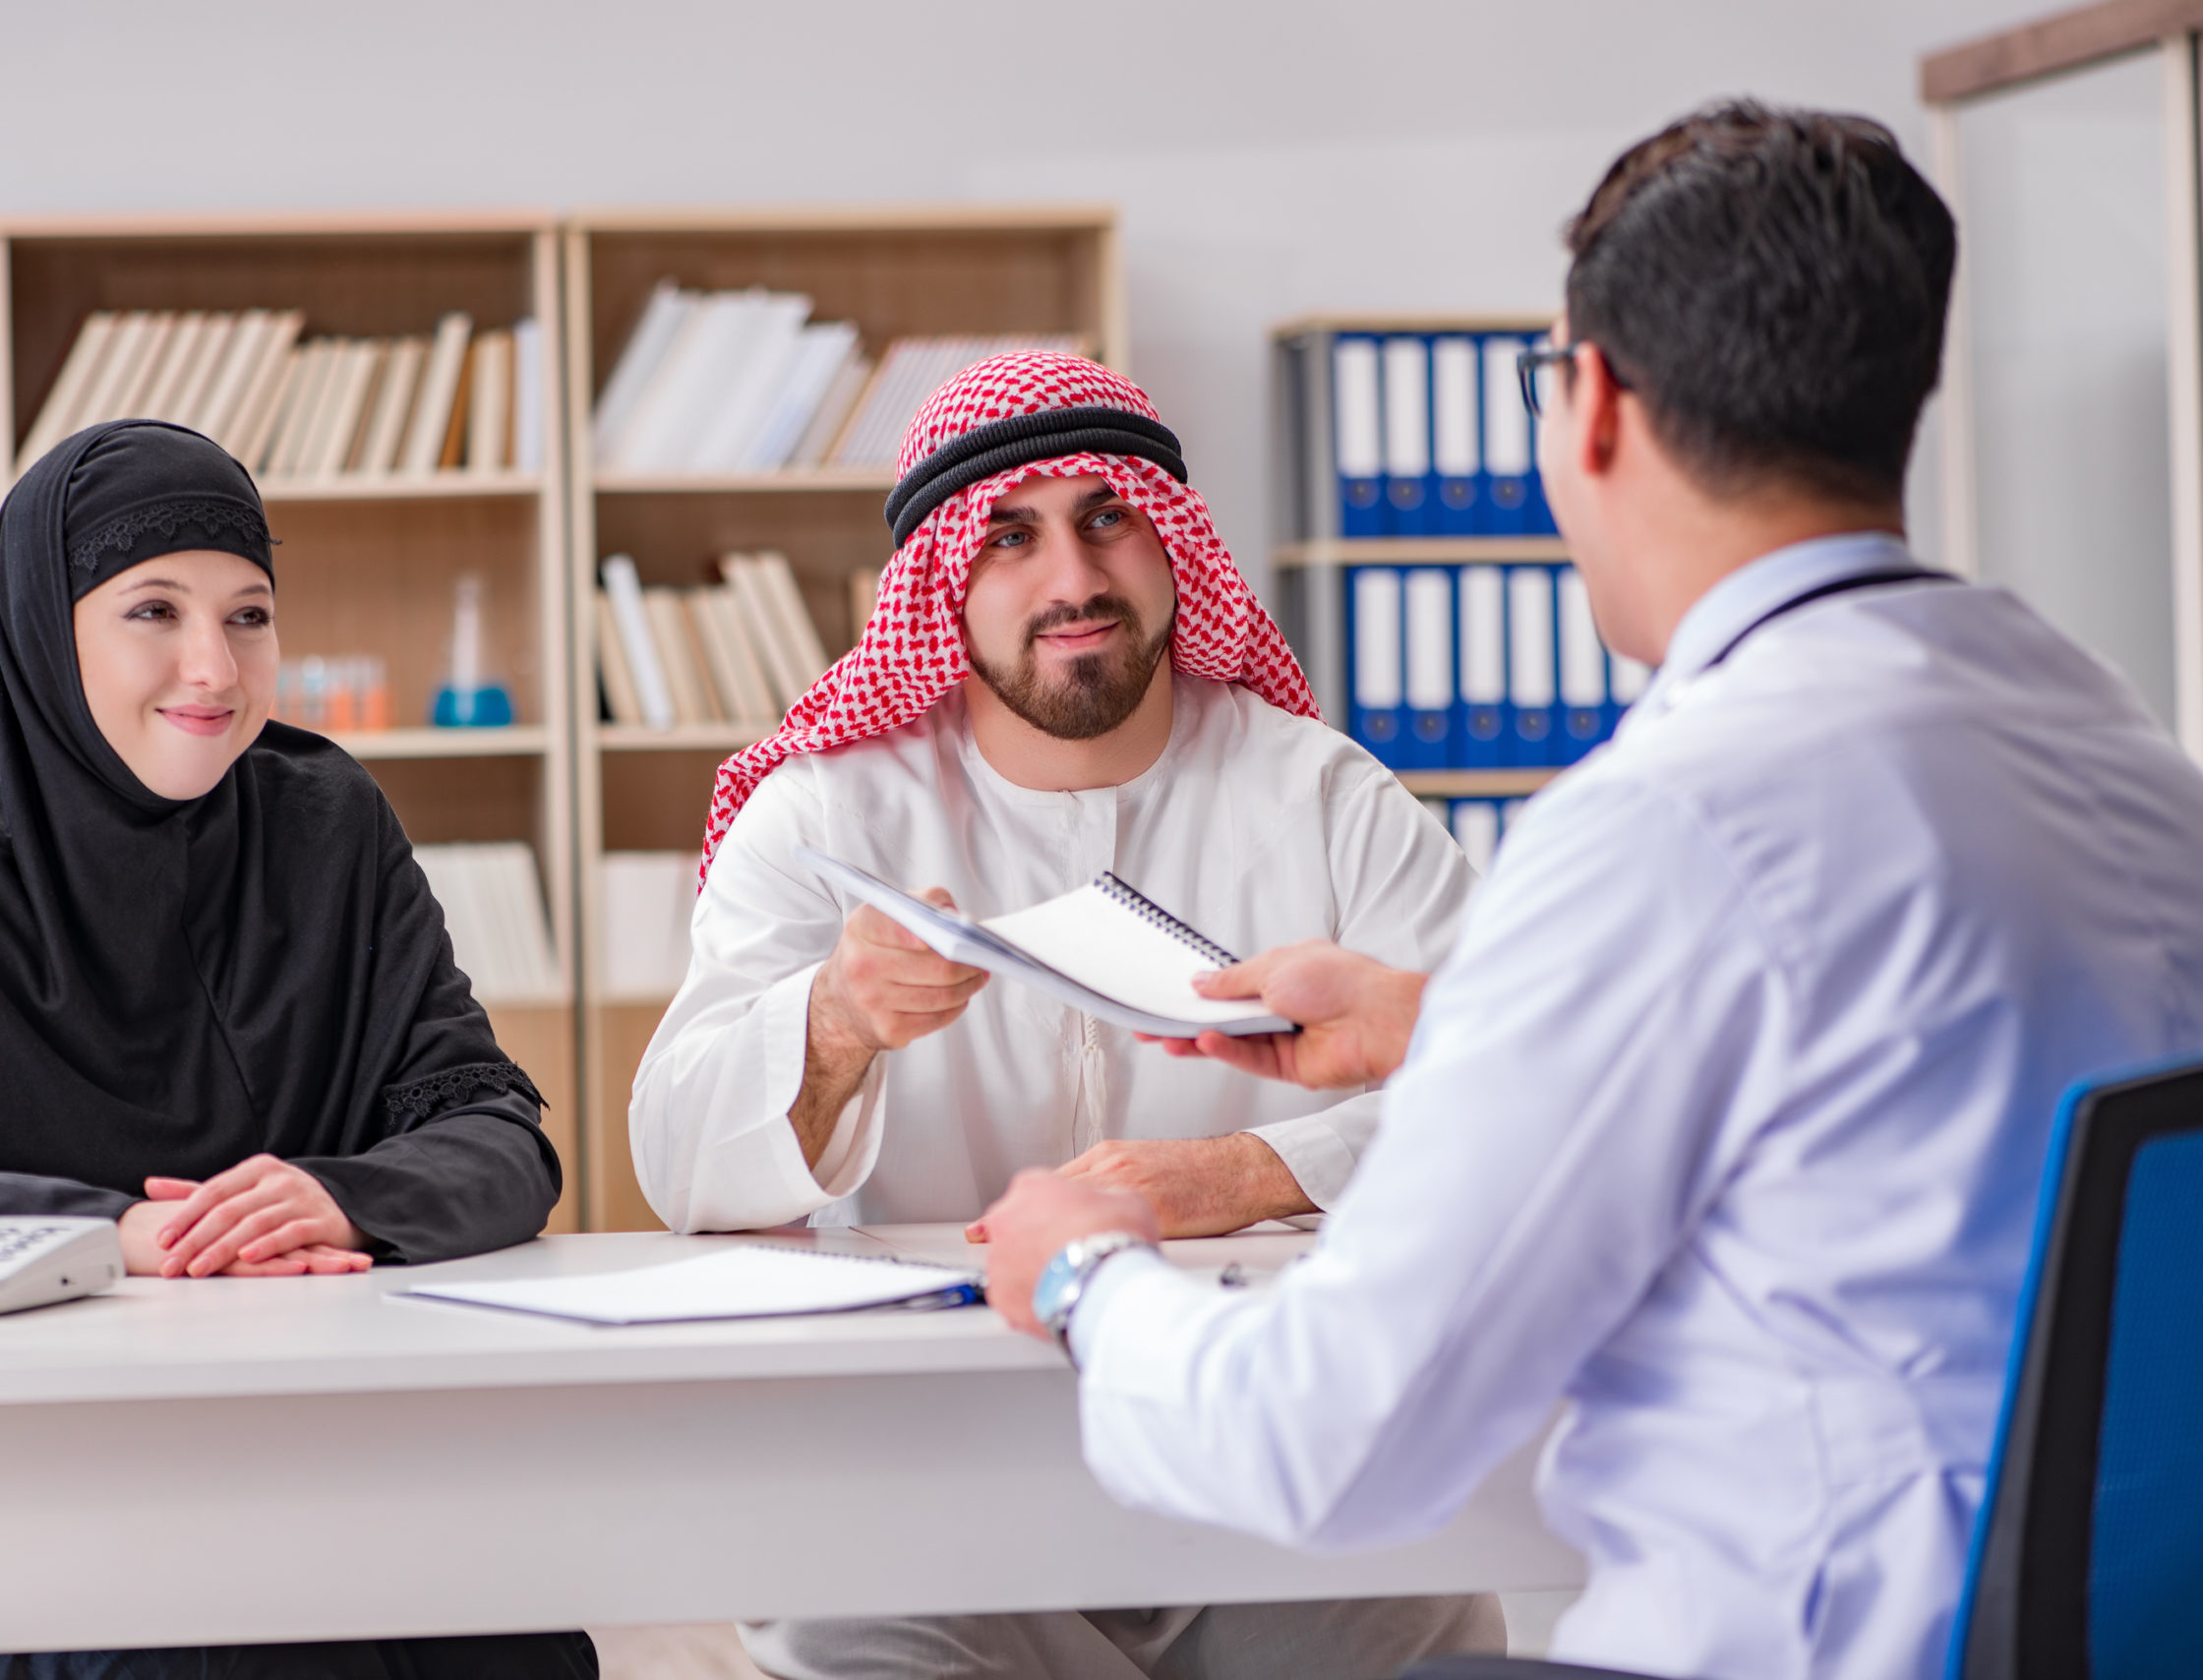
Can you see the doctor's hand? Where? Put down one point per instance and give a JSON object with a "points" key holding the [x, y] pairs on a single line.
{"points": [[263, 1217], [1198, 1187], [1037, 1216], [1355, 1016], [884, 986]]}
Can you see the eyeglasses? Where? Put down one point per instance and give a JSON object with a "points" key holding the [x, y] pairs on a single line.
{"points": [[1535, 368]]}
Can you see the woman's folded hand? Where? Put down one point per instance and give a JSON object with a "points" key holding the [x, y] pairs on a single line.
{"points": [[263, 1217]]}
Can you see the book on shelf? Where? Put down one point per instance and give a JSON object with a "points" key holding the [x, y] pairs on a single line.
{"points": [[631, 623], [493, 911], [1479, 666], [1478, 824], [1419, 434], [644, 901], [293, 408], [490, 403], [744, 381], [909, 372], [738, 652]]}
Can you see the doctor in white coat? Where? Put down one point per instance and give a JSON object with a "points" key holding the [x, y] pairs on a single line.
{"points": [[1723, 1123]]}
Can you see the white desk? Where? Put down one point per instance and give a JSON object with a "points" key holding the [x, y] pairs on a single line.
{"points": [[285, 1459]]}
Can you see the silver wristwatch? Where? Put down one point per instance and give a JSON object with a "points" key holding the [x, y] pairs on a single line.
{"points": [[1055, 1295]]}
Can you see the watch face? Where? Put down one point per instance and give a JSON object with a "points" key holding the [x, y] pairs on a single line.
{"points": [[1055, 1287]]}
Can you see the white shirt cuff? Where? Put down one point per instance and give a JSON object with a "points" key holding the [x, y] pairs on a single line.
{"points": [[1314, 1153], [1109, 1281]]}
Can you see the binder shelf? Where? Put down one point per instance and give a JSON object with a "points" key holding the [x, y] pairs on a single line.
{"points": [[389, 382], [1422, 581], [742, 481]]}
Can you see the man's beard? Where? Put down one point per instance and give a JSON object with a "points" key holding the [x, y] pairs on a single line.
{"points": [[1097, 692]]}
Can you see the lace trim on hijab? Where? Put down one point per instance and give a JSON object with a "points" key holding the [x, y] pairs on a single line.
{"points": [[422, 1099], [170, 517]]}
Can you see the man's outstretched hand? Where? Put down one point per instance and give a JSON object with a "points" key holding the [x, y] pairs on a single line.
{"points": [[1201, 1186], [1037, 1216], [1355, 1016]]}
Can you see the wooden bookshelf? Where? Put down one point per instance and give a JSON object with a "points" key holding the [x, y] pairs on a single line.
{"points": [[369, 567], [893, 271], [1474, 784]]}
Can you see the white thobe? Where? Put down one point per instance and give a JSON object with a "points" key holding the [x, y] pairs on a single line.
{"points": [[1256, 826], [1723, 1124]]}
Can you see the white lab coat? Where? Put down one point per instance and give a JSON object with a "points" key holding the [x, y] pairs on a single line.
{"points": [[1256, 826], [1723, 1124]]}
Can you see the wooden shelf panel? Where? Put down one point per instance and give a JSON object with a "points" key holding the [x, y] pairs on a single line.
{"points": [[435, 487], [1419, 550], [682, 737], [520, 740], [1474, 784], [870, 481]]}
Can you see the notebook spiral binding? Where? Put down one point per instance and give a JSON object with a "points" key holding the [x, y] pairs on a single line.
{"points": [[1145, 908]]}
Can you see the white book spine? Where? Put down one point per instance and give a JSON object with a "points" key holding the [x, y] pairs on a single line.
{"points": [[672, 407], [80, 370], [1406, 408], [1356, 387], [250, 421], [1379, 681], [833, 410], [1583, 658], [393, 403], [1530, 635], [489, 432], [118, 368], [1430, 640], [750, 387], [808, 653], [527, 394], [153, 357], [750, 699], [825, 349], [440, 390], [1483, 634], [1507, 422], [228, 378], [1630, 679], [1476, 828], [623, 585], [1455, 433], [646, 345], [301, 415], [176, 368]]}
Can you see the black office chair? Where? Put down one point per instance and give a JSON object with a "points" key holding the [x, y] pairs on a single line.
{"points": [[2088, 1556]]}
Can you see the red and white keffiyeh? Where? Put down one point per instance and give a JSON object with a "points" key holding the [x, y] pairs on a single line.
{"points": [[911, 651]]}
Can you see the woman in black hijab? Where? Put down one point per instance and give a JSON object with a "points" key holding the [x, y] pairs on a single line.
{"points": [[229, 1011]]}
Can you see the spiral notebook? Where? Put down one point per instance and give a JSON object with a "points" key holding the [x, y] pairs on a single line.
{"points": [[1104, 947]]}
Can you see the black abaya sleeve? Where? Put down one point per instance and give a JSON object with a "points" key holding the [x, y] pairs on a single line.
{"points": [[477, 1176], [31, 1193]]}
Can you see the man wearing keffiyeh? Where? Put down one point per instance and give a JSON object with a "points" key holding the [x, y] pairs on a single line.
{"points": [[1065, 674]]}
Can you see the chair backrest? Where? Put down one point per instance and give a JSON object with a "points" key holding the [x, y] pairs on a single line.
{"points": [[2088, 1558]]}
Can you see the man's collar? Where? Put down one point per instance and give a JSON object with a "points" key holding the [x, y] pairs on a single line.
{"points": [[1765, 586]]}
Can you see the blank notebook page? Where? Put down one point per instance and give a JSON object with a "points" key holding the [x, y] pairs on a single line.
{"points": [[752, 1280], [1110, 949]]}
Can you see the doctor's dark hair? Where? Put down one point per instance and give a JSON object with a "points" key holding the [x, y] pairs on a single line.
{"points": [[1772, 284]]}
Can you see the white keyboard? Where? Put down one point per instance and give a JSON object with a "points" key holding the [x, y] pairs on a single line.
{"points": [[46, 1258]]}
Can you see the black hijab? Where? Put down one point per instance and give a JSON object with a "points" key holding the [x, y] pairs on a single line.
{"points": [[184, 983]]}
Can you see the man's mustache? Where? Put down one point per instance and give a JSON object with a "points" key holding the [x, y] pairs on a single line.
{"points": [[1101, 607]]}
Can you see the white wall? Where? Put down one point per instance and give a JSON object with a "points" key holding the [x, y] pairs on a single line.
{"points": [[1270, 159]]}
